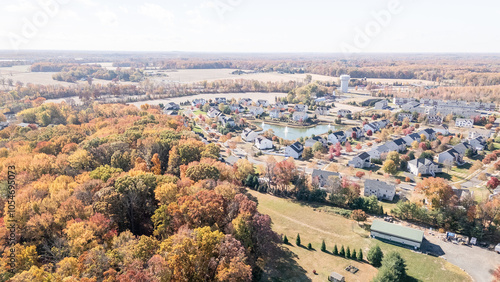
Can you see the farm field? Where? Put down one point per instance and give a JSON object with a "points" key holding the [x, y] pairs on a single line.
{"points": [[315, 224]]}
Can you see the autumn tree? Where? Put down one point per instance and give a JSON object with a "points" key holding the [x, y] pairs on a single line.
{"points": [[390, 167], [437, 191]]}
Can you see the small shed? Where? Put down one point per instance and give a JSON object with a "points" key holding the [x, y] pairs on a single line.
{"points": [[335, 277]]}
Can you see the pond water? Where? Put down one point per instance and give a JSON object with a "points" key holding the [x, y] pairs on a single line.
{"points": [[292, 133]]}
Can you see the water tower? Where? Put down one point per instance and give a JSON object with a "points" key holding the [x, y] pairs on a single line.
{"points": [[344, 82]]}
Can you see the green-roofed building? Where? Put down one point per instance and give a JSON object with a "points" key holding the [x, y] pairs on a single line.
{"points": [[397, 233]]}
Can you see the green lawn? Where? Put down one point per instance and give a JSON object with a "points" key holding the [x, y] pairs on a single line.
{"points": [[316, 224]]}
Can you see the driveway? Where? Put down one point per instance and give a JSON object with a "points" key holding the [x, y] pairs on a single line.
{"points": [[478, 262]]}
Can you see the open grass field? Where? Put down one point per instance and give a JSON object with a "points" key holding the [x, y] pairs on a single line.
{"points": [[317, 223]]}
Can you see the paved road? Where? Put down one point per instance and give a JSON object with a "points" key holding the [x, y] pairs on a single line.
{"points": [[478, 262]]}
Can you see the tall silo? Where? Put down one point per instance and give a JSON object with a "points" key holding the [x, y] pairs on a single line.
{"points": [[344, 82]]}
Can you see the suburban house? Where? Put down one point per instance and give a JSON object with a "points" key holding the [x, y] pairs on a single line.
{"points": [[235, 107], [462, 147], [171, 106], [410, 138], [197, 102], [321, 111], [449, 157], [220, 100], [300, 108], [262, 103], [275, 113], [357, 130], [262, 143], [255, 110], [486, 133], [213, 113], [410, 106], [464, 122], [336, 137], [397, 233], [295, 150], [398, 145], [360, 161], [381, 105], [401, 101], [429, 133], [434, 119], [423, 167], [478, 143], [280, 106], [402, 116], [245, 101], [226, 121], [324, 178], [249, 135], [343, 112], [300, 116], [377, 152], [442, 128], [370, 126], [311, 141], [382, 190]]}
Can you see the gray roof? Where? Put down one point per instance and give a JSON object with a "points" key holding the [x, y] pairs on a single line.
{"points": [[421, 162], [324, 173], [297, 147], [364, 156], [399, 141], [232, 160], [377, 184]]}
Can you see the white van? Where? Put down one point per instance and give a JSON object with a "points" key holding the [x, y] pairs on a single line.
{"points": [[497, 248]]}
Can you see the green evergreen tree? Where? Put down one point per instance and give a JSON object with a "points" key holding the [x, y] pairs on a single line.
{"points": [[375, 256], [353, 255], [323, 246], [285, 240], [360, 255], [297, 241], [335, 250], [309, 246], [342, 251], [348, 253]]}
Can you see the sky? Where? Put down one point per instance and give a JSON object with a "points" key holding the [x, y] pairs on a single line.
{"points": [[327, 26]]}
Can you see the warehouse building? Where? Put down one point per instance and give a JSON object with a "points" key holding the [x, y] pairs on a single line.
{"points": [[397, 234]]}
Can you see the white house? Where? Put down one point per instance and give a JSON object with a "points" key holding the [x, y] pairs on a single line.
{"points": [[262, 143], [377, 152], [442, 128], [311, 141], [300, 116], [429, 133], [343, 112], [171, 106], [249, 135], [336, 137], [410, 138], [262, 103], [381, 105], [213, 113], [359, 132], [464, 122], [235, 107], [220, 100], [275, 113], [485, 133], [423, 167], [200, 102], [300, 108], [295, 150], [324, 178], [380, 189], [360, 161], [226, 121], [321, 111], [402, 116], [255, 110]]}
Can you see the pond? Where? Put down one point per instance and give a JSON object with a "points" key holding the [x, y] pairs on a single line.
{"points": [[292, 133]]}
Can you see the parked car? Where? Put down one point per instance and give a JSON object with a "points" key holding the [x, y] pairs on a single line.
{"points": [[497, 248]]}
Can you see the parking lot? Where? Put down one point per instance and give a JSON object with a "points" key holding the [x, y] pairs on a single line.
{"points": [[478, 262]]}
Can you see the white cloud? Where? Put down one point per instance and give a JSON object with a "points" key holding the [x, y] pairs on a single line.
{"points": [[158, 13], [107, 17]]}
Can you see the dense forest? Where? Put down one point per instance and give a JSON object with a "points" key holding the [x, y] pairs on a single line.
{"points": [[125, 195]]}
